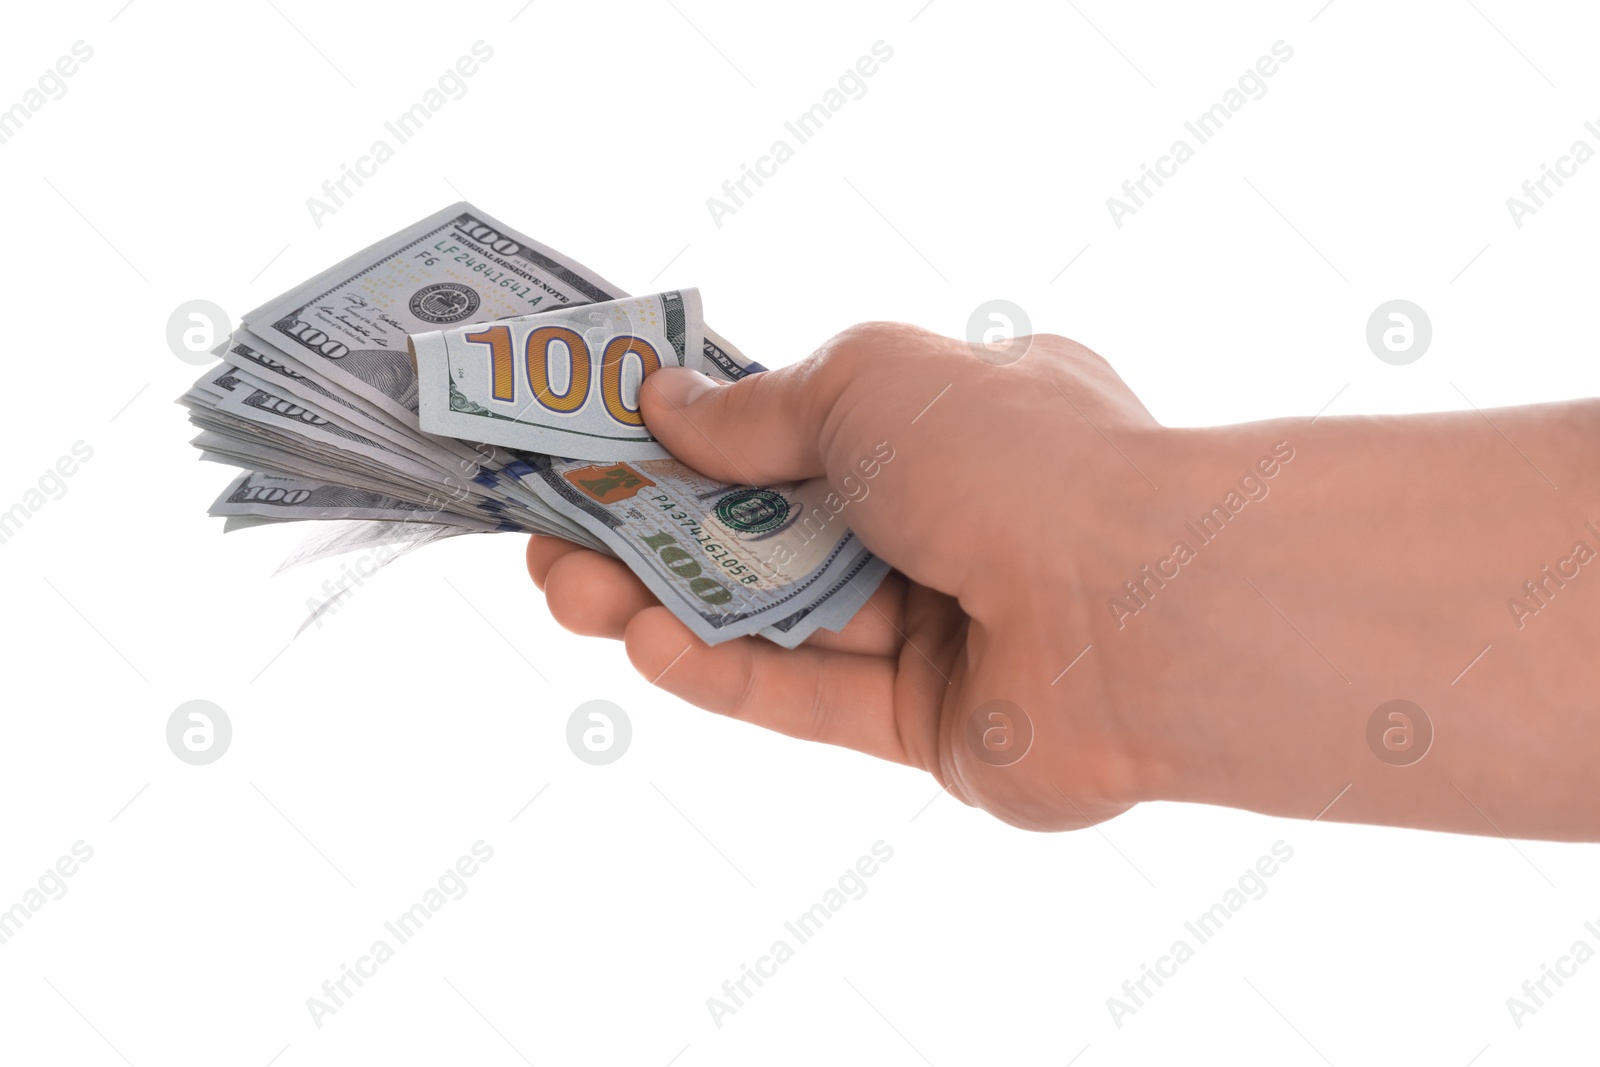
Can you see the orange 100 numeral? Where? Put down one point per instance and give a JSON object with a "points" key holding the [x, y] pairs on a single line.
{"points": [[536, 352]]}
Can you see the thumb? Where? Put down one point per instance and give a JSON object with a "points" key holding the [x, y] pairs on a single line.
{"points": [[763, 429]]}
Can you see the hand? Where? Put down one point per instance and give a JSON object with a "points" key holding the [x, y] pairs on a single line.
{"points": [[1213, 615], [974, 512]]}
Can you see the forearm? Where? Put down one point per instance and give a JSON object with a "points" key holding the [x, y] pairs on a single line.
{"points": [[1382, 563]]}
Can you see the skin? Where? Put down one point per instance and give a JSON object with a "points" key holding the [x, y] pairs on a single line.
{"points": [[1374, 563]]}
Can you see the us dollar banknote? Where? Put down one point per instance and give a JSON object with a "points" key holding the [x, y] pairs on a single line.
{"points": [[318, 400], [349, 324], [563, 382], [281, 497], [728, 560]]}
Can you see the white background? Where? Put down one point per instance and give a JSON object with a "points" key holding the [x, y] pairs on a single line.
{"points": [[374, 750]]}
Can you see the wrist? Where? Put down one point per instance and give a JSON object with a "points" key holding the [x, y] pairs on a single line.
{"points": [[1179, 608]]}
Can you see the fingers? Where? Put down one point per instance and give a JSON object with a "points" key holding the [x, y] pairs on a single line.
{"points": [[542, 554], [875, 630], [587, 593], [816, 695], [774, 426], [757, 431], [596, 596], [837, 688]]}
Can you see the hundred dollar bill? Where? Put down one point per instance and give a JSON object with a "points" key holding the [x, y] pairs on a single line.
{"points": [[349, 324], [279, 496], [297, 437], [728, 560], [834, 606], [319, 400], [563, 382]]}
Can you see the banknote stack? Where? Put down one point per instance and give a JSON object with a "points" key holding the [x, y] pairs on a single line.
{"points": [[459, 377]]}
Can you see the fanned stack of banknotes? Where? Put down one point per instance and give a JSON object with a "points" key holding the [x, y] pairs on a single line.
{"points": [[458, 377]]}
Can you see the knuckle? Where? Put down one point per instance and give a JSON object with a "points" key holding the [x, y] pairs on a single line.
{"points": [[746, 397], [637, 645], [1073, 351], [866, 344], [643, 640], [824, 708], [748, 702], [861, 360]]}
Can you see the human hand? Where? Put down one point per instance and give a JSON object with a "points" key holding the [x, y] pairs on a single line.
{"points": [[974, 508]]}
